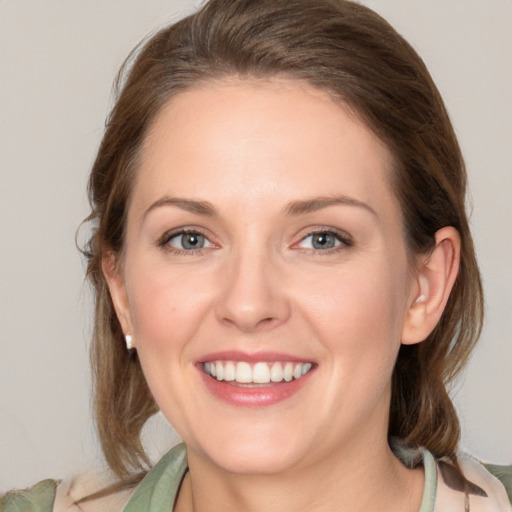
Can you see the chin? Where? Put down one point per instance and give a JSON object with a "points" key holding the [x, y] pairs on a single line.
{"points": [[257, 462], [256, 453]]}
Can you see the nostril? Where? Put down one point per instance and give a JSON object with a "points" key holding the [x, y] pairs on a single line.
{"points": [[250, 324], [251, 303], [266, 323]]}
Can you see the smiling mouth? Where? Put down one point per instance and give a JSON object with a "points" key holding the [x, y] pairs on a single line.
{"points": [[244, 373]]}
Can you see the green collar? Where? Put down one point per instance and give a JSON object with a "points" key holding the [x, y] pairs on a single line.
{"points": [[430, 489], [158, 491]]}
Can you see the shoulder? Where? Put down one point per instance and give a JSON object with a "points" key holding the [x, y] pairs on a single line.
{"points": [[63, 496], [69, 493], [504, 475], [486, 492], [39, 498]]}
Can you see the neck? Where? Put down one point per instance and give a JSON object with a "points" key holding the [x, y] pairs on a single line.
{"points": [[350, 480]]}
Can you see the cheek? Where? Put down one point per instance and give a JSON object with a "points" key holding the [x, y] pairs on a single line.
{"points": [[360, 329], [358, 316], [367, 298], [166, 307]]}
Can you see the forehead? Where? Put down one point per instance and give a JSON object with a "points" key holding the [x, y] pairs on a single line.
{"points": [[261, 140]]}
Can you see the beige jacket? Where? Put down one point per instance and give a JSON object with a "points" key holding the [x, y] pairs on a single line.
{"points": [[64, 494]]}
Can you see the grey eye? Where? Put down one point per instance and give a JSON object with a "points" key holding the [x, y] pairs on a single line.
{"points": [[320, 241], [189, 241]]}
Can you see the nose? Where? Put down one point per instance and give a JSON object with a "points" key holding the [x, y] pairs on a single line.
{"points": [[252, 297]]}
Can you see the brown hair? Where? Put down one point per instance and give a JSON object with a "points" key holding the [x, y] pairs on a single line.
{"points": [[355, 55]]}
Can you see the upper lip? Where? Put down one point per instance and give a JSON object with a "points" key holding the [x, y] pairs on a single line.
{"points": [[254, 357]]}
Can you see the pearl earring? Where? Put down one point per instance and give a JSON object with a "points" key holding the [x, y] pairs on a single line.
{"points": [[128, 338]]}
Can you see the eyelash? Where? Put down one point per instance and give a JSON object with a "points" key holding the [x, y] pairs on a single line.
{"points": [[345, 241], [167, 237]]}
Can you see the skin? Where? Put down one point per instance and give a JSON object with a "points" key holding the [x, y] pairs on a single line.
{"points": [[251, 149]]}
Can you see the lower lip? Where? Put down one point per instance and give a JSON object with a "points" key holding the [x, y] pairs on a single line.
{"points": [[253, 396]]}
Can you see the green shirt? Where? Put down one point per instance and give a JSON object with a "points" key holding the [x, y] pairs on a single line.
{"points": [[158, 490]]}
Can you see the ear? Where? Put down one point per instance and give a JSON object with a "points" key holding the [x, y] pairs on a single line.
{"points": [[434, 281], [117, 288]]}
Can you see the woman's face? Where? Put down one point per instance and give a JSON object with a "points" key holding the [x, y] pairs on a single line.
{"points": [[264, 241]]}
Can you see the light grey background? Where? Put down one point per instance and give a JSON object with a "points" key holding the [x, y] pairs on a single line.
{"points": [[58, 60]]}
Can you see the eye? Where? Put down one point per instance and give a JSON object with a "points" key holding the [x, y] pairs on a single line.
{"points": [[187, 241], [324, 241]]}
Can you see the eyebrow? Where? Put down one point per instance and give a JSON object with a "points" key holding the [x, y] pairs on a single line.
{"points": [[199, 207], [317, 203], [295, 208]]}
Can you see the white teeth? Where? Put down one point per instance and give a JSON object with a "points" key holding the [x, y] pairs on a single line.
{"points": [[288, 372], [229, 371], [259, 373], [219, 370], [276, 372], [243, 373], [306, 367]]}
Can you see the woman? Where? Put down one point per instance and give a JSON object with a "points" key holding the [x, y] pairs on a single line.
{"points": [[283, 266]]}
